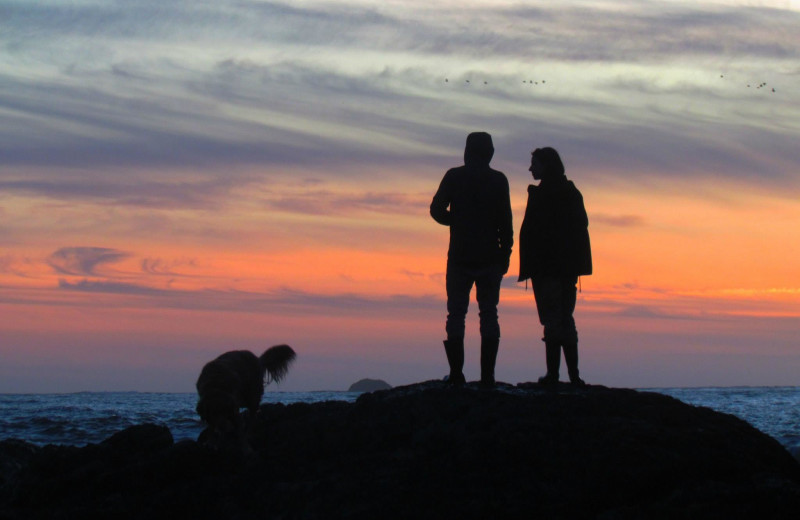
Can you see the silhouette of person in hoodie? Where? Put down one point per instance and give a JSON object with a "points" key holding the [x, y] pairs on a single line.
{"points": [[473, 200], [554, 251]]}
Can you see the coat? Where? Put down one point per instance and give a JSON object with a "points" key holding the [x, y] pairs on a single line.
{"points": [[479, 214], [554, 237]]}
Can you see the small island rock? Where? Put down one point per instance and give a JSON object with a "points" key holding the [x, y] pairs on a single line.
{"points": [[369, 385]]}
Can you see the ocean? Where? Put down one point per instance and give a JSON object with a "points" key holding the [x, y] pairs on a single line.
{"points": [[82, 418], [90, 417]]}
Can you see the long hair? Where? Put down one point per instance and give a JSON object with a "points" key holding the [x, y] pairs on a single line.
{"points": [[550, 160]]}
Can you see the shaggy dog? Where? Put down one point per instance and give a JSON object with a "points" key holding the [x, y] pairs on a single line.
{"points": [[236, 380]]}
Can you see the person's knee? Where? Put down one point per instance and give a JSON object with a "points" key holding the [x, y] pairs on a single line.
{"points": [[490, 333], [556, 333], [490, 325]]}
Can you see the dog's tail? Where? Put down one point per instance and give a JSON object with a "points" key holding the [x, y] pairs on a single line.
{"points": [[276, 360]]}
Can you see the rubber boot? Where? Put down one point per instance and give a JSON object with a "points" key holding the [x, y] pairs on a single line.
{"points": [[454, 348], [571, 358], [553, 359], [489, 349]]}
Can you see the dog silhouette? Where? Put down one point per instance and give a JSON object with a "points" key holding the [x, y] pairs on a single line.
{"points": [[233, 381]]}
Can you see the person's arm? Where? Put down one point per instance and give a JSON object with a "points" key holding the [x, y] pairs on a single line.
{"points": [[579, 236], [579, 215], [441, 201], [506, 226]]}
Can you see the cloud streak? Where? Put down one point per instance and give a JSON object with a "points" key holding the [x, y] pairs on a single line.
{"points": [[84, 261], [111, 287], [280, 301], [322, 202], [273, 84], [622, 221], [122, 192]]}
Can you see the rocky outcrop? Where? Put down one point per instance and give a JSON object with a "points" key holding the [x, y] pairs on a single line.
{"points": [[369, 385], [426, 451]]}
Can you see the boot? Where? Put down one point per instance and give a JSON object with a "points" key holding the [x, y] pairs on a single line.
{"points": [[488, 359], [553, 359], [454, 348], [571, 357]]}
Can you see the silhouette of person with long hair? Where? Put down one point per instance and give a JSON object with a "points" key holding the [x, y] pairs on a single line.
{"points": [[474, 201], [554, 251]]}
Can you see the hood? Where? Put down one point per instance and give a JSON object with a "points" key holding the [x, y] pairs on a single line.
{"points": [[479, 149]]}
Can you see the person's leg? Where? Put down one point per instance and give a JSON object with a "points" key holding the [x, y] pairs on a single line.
{"points": [[552, 357], [570, 332], [487, 288], [547, 292], [459, 284], [454, 349], [487, 292]]}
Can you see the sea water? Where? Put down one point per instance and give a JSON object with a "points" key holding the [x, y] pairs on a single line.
{"points": [[773, 410], [81, 418], [90, 417]]}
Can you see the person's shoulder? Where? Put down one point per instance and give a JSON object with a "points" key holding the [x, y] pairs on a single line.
{"points": [[498, 176], [455, 172], [574, 189], [451, 175]]}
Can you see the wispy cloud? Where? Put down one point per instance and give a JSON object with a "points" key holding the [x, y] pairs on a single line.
{"points": [[322, 202], [163, 267], [624, 221], [227, 85], [111, 287], [283, 300], [648, 312], [84, 261], [119, 191]]}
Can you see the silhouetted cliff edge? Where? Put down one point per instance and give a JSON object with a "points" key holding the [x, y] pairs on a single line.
{"points": [[426, 451]]}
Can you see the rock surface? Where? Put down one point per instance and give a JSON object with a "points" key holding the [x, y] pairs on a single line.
{"points": [[426, 451], [369, 385]]}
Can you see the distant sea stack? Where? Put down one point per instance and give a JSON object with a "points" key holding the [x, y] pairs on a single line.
{"points": [[369, 385], [426, 451]]}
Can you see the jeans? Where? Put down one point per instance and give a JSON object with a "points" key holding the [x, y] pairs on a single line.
{"points": [[555, 303], [460, 279]]}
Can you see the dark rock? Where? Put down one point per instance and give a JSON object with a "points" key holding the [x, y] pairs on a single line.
{"points": [[142, 438], [428, 451], [15, 455], [369, 385]]}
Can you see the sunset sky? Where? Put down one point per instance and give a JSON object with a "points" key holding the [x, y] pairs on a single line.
{"points": [[179, 178]]}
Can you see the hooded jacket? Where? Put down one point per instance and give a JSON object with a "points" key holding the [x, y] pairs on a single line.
{"points": [[554, 237], [474, 201]]}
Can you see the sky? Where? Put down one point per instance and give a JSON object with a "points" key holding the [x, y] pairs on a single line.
{"points": [[181, 178]]}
